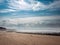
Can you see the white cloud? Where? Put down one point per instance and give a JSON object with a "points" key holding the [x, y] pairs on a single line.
{"points": [[6, 10], [33, 5], [54, 5], [17, 5], [33, 19], [30, 22], [27, 20], [23, 5], [39, 6]]}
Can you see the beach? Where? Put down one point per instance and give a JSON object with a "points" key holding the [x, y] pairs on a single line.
{"points": [[13, 38]]}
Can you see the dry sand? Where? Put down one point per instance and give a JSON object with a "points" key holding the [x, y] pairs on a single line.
{"points": [[12, 38]]}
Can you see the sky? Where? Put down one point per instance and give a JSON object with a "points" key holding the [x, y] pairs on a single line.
{"points": [[29, 13], [27, 8]]}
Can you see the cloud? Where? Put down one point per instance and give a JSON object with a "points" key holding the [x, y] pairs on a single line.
{"points": [[19, 5], [39, 6], [23, 5], [33, 22], [55, 5], [6, 10], [32, 5]]}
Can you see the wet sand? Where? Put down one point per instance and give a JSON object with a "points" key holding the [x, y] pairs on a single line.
{"points": [[13, 38]]}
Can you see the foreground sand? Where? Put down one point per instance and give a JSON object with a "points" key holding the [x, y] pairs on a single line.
{"points": [[12, 38]]}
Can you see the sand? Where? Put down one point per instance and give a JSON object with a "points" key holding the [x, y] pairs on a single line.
{"points": [[13, 38]]}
